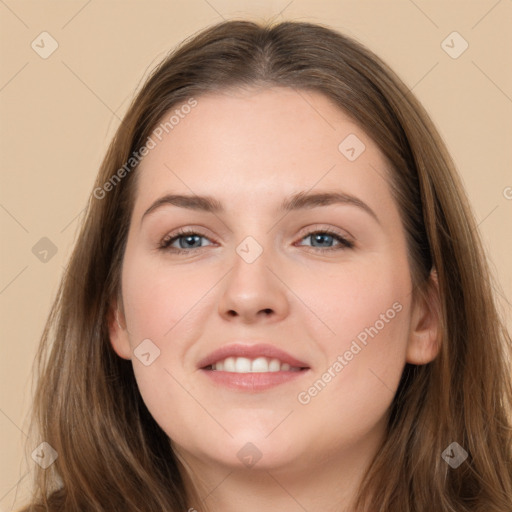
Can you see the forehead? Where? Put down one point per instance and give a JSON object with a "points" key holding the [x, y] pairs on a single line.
{"points": [[248, 146]]}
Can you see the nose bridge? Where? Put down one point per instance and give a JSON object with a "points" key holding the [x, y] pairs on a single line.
{"points": [[251, 263], [251, 286], [254, 236]]}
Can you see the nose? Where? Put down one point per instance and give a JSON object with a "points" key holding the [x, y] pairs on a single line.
{"points": [[254, 291]]}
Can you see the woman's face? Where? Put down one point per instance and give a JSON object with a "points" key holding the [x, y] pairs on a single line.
{"points": [[324, 281]]}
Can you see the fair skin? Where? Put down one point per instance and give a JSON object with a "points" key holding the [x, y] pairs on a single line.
{"points": [[251, 150]]}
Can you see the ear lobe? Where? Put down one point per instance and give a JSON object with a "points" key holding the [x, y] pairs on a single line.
{"points": [[118, 333], [425, 331]]}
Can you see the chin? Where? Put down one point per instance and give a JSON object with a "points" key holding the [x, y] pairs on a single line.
{"points": [[246, 449]]}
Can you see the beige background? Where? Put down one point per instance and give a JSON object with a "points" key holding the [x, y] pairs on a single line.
{"points": [[58, 115]]}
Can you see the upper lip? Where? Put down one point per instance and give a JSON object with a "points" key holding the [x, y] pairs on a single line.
{"points": [[251, 352]]}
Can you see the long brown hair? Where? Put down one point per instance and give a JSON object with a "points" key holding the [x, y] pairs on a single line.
{"points": [[113, 455]]}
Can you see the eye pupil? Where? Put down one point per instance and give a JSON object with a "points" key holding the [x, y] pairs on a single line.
{"points": [[189, 239]]}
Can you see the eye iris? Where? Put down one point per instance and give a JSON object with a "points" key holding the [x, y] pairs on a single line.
{"points": [[321, 237], [188, 239]]}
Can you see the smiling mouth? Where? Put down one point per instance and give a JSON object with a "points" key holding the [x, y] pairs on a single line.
{"points": [[256, 365]]}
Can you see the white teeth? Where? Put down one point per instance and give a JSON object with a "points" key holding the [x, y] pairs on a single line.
{"points": [[260, 365], [274, 365], [246, 365], [229, 364], [242, 365]]}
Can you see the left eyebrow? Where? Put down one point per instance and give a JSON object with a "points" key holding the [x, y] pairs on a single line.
{"points": [[298, 201], [303, 200]]}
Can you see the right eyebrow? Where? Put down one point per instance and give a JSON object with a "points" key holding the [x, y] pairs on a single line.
{"points": [[201, 203]]}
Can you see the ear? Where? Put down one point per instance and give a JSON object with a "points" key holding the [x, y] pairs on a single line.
{"points": [[425, 330], [118, 332]]}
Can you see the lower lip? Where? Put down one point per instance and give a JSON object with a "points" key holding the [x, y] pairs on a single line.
{"points": [[253, 381]]}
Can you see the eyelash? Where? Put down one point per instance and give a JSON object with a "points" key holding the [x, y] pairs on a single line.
{"points": [[165, 243]]}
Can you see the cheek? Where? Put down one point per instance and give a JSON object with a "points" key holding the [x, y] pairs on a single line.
{"points": [[161, 304], [364, 360], [159, 299], [367, 302], [373, 356], [165, 305]]}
